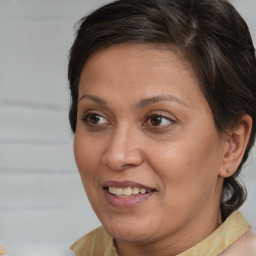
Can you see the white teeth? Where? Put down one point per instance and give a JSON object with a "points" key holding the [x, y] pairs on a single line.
{"points": [[112, 190], [119, 191], [128, 191], [143, 190], [135, 191]]}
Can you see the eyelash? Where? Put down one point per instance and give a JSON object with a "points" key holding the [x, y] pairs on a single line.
{"points": [[88, 122], [160, 116]]}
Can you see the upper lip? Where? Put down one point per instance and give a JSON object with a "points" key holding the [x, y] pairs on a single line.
{"points": [[124, 184]]}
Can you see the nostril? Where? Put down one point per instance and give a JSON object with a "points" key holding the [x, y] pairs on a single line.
{"points": [[122, 151], [122, 161]]}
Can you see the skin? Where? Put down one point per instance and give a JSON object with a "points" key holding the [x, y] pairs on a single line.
{"points": [[183, 156]]}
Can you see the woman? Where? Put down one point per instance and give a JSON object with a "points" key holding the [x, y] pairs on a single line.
{"points": [[163, 110]]}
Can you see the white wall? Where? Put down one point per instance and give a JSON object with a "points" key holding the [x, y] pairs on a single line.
{"points": [[43, 208]]}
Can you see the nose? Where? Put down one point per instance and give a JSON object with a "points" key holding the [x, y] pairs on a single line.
{"points": [[123, 150]]}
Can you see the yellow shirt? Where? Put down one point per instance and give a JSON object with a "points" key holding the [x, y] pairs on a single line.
{"points": [[99, 243]]}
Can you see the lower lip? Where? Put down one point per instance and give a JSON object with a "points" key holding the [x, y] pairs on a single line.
{"points": [[127, 202]]}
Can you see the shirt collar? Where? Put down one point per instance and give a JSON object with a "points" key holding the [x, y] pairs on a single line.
{"points": [[230, 230]]}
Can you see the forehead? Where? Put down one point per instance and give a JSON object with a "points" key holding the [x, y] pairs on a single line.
{"points": [[139, 67], [139, 54], [125, 59]]}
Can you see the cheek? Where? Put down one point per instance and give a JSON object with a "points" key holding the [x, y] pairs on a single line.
{"points": [[186, 167], [87, 160], [86, 155]]}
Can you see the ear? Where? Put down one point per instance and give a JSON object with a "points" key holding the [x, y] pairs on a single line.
{"points": [[235, 146]]}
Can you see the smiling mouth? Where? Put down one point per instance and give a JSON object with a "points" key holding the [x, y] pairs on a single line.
{"points": [[127, 192]]}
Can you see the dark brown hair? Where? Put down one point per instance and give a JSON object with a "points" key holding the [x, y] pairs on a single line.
{"points": [[210, 34]]}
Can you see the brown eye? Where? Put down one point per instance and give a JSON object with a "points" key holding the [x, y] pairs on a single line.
{"points": [[156, 120], [94, 119]]}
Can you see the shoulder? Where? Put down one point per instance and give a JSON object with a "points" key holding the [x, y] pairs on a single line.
{"points": [[94, 243], [245, 245]]}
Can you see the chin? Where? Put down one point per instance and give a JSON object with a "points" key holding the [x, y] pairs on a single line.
{"points": [[129, 230]]}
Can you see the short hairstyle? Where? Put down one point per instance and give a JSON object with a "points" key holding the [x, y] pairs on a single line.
{"points": [[210, 34]]}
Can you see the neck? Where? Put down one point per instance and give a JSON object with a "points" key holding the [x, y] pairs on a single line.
{"points": [[171, 245]]}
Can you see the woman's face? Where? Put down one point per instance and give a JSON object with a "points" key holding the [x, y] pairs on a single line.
{"points": [[146, 145]]}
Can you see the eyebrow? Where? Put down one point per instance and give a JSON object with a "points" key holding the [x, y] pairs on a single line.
{"points": [[93, 98], [141, 104], [149, 101]]}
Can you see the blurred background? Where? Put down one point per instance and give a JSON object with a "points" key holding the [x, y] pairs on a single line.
{"points": [[43, 207]]}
